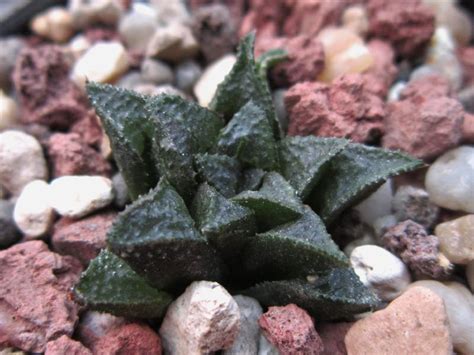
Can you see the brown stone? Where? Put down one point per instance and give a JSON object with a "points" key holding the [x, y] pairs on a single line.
{"points": [[291, 330], [346, 108], [82, 239], [305, 58], [69, 155], [66, 346], [46, 93], [35, 301], [333, 335], [133, 339], [89, 128], [407, 25], [414, 323]]}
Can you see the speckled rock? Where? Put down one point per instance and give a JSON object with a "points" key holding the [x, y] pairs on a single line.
{"points": [[414, 323], [456, 239], [267, 20], [382, 73], [89, 128], [70, 155], [82, 239], [205, 318], [418, 250], [133, 338], [10, 234], [21, 161], [36, 306], [346, 108], [449, 180], [459, 303], [291, 330], [94, 325], [414, 203], [332, 335], [65, 345]]}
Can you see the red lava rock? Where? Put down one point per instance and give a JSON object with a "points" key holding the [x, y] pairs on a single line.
{"points": [[82, 239], [381, 75], [69, 155], [35, 302], [346, 108], [66, 346], [305, 58], [265, 16], [291, 330], [130, 339], [466, 57], [332, 335], [215, 30], [426, 122], [89, 129], [46, 94], [468, 128], [407, 25], [418, 250]]}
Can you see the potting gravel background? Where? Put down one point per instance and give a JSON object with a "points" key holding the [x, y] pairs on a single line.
{"points": [[395, 74]]}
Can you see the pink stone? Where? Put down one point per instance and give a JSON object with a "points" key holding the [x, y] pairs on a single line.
{"points": [[381, 75], [265, 16], [346, 108], [66, 346], [291, 330], [414, 323], [35, 301], [332, 335], [133, 339], [94, 325], [466, 57], [82, 239], [89, 128], [69, 155], [468, 128], [305, 58], [428, 87], [407, 25]]}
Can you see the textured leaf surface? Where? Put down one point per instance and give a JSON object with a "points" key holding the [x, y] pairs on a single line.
{"points": [[110, 285], [249, 137], [128, 127], [226, 225], [353, 174], [296, 249], [242, 84], [220, 171], [338, 294], [251, 179], [156, 236], [183, 129], [303, 160], [268, 60], [274, 203]]}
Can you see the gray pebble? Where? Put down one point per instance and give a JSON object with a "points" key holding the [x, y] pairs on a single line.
{"points": [[8, 231], [130, 80], [187, 73], [279, 102], [156, 72], [466, 98], [10, 47], [121, 191]]}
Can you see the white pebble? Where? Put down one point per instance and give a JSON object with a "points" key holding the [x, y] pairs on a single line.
{"points": [[459, 303], [21, 161], [8, 111], [450, 180], [378, 204], [55, 24], [214, 74], [77, 196], [138, 26], [266, 348], [380, 270], [204, 319], [103, 62], [33, 213], [86, 12]]}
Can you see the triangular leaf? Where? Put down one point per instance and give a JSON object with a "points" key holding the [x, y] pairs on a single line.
{"points": [[303, 160], [268, 60], [183, 129], [127, 125], [338, 294], [157, 238], [249, 137], [110, 285], [274, 203], [296, 249], [353, 174], [226, 225], [242, 84], [220, 171], [251, 179]]}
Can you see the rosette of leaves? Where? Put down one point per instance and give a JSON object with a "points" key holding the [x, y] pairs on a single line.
{"points": [[220, 194]]}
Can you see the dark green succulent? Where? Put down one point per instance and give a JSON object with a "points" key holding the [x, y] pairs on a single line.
{"points": [[220, 194]]}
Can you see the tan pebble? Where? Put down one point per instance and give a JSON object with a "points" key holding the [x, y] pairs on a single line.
{"points": [[456, 239]]}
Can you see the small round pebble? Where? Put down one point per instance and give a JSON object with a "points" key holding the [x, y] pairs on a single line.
{"points": [[187, 73], [55, 24], [449, 180], [9, 234], [77, 196], [21, 161], [8, 111], [98, 12], [10, 46], [456, 239], [156, 72], [378, 204], [138, 26], [33, 213], [380, 270], [121, 191]]}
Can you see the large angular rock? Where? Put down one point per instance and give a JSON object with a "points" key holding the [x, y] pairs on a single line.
{"points": [[414, 323], [35, 303], [205, 318], [65, 345]]}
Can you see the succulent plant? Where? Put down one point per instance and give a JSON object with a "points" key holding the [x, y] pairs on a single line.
{"points": [[220, 194]]}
